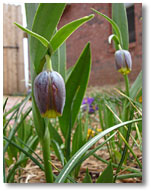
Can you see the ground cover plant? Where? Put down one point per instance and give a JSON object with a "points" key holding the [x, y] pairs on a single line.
{"points": [[63, 121]]}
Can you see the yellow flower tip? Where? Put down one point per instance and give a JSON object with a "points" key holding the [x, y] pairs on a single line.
{"points": [[51, 114], [99, 130], [93, 133], [89, 132], [124, 70], [140, 99]]}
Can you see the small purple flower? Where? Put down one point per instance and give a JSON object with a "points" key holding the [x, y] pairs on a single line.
{"points": [[92, 108], [88, 105], [88, 100]]}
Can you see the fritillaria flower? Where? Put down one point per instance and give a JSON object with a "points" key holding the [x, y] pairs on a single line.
{"points": [[123, 61], [49, 93]]}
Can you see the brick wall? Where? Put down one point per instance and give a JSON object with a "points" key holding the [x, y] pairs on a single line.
{"points": [[97, 31]]}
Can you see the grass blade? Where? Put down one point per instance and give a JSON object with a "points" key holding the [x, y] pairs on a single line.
{"points": [[13, 131], [4, 105], [25, 152]]}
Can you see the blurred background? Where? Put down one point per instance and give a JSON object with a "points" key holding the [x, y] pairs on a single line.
{"points": [[16, 68]]}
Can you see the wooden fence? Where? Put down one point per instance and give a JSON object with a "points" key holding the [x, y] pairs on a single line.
{"points": [[13, 57]]}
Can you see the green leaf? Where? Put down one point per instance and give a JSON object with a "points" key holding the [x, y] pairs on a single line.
{"points": [[58, 151], [109, 119], [30, 9], [120, 17], [77, 156], [85, 131], [4, 105], [130, 175], [21, 130], [12, 153], [59, 60], [75, 89], [114, 25], [66, 31], [106, 176], [87, 178], [77, 139], [54, 134], [25, 152], [13, 169], [16, 127], [37, 119], [134, 170], [34, 140], [43, 40], [17, 106], [56, 60], [45, 22], [62, 52], [68, 72], [136, 87]]}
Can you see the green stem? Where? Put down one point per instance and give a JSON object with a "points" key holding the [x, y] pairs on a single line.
{"points": [[119, 46], [127, 84], [127, 134], [48, 63], [126, 109], [125, 103], [45, 141]]}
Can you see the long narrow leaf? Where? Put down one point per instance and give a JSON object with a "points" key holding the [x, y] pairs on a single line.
{"points": [[114, 25], [75, 89], [43, 40], [30, 9], [62, 52], [25, 152], [29, 148], [45, 22], [130, 169], [131, 175], [4, 105], [136, 86], [17, 105], [14, 168], [120, 17], [66, 31], [13, 131]]}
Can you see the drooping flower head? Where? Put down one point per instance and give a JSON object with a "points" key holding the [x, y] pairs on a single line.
{"points": [[123, 61], [49, 93]]}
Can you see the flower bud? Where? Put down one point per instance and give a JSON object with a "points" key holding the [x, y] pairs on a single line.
{"points": [[123, 61], [49, 93]]}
